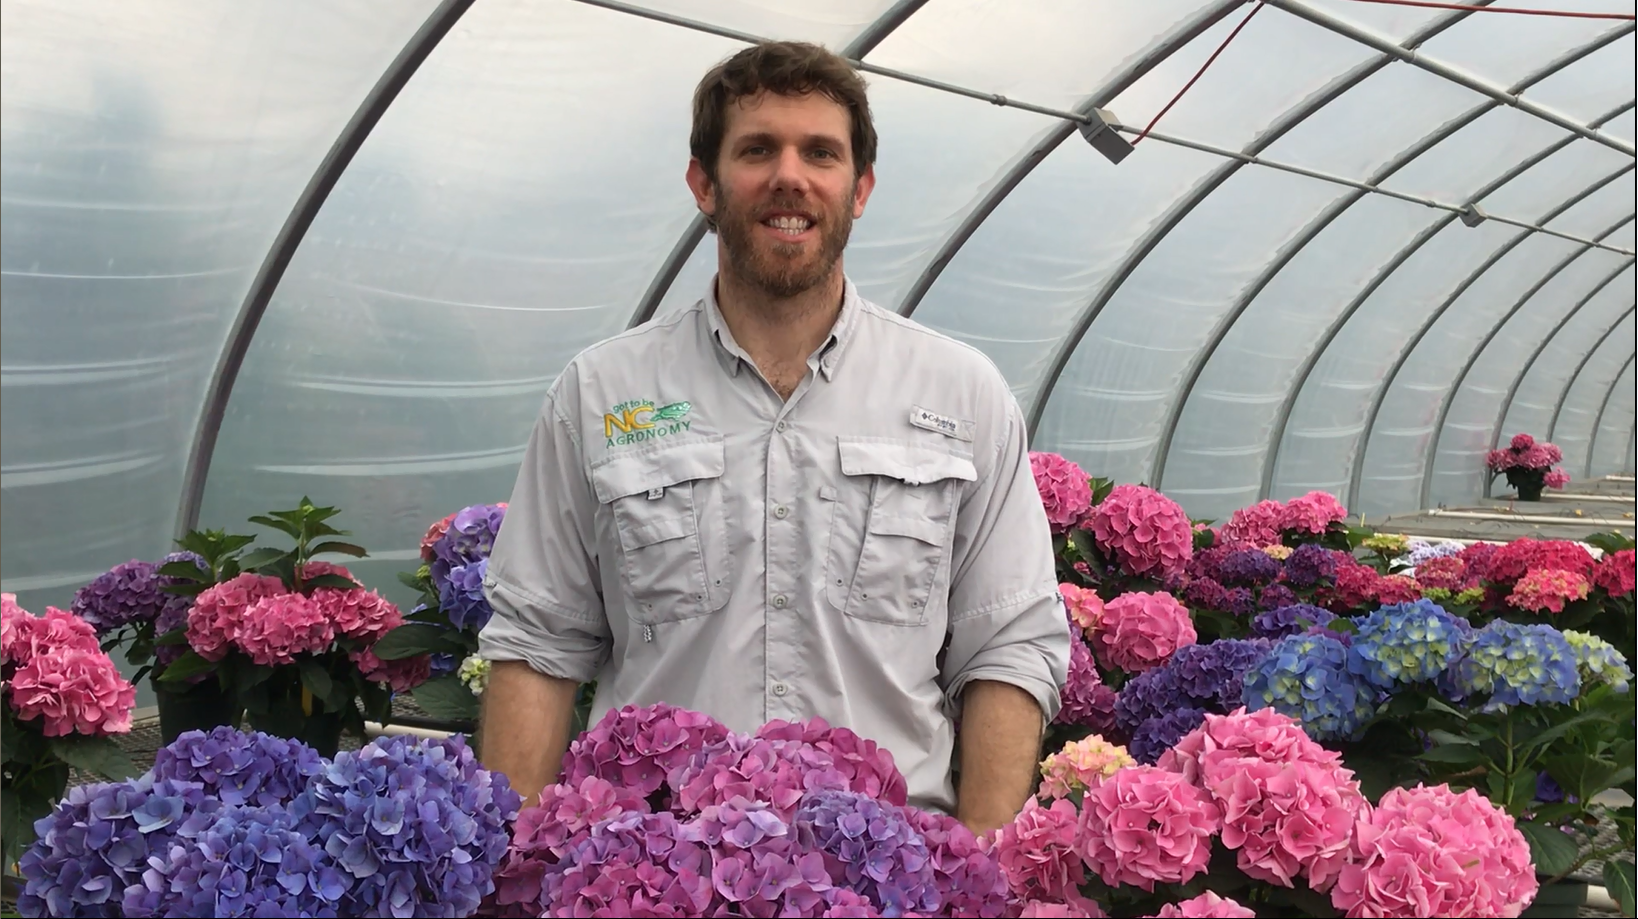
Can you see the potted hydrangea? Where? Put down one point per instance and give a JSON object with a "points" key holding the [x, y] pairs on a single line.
{"points": [[1528, 465]]}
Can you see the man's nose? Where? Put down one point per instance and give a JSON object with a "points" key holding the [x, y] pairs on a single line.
{"points": [[790, 171]]}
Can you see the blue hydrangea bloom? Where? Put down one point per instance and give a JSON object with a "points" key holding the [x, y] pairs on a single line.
{"points": [[883, 856], [1405, 643], [1514, 664], [443, 663], [1309, 565], [470, 537], [1290, 620], [1248, 568], [1307, 677], [1157, 735], [1598, 661]]}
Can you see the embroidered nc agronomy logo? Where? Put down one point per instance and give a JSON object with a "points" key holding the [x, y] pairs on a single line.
{"points": [[640, 419]]}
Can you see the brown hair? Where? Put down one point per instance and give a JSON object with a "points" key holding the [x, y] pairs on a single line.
{"points": [[786, 68]]}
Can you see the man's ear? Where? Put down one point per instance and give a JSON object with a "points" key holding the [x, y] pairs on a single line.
{"points": [[862, 189], [700, 184]]}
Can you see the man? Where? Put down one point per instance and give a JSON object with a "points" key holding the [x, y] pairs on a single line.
{"points": [[786, 501]]}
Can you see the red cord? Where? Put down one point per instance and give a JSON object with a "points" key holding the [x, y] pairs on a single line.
{"points": [[1145, 132], [1501, 9]]}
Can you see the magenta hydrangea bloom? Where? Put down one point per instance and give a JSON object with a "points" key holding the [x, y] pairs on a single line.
{"points": [[73, 690], [968, 879], [1037, 851], [1145, 531], [1253, 527], [756, 769], [867, 766], [218, 612], [358, 613], [1140, 630], [1312, 514], [562, 815], [275, 629], [636, 747], [1206, 906], [1086, 701], [634, 865], [1066, 490]]}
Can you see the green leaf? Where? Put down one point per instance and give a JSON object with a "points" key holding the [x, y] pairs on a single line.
{"points": [[1454, 754], [1619, 881], [230, 569], [431, 615], [447, 697], [176, 636], [1445, 737], [249, 676], [1082, 541], [316, 679], [410, 579], [1543, 738], [284, 526], [415, 638], [1584, 775], [186, 571], [261, 558], [1552, 851], [1437, 705], [330, 580], [339, 548], [94, 754], [189, 664]]}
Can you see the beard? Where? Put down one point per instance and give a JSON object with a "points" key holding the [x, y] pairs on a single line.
{"points": [[780, 270]]}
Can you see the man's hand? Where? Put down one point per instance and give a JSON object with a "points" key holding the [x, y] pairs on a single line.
{"points": [[1000, 743], [525, 730]]}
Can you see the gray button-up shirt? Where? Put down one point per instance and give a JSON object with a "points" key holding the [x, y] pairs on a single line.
{"points": [[860, 552]]}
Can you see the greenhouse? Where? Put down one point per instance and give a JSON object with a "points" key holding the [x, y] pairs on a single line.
{"points": [[1316, 317]]}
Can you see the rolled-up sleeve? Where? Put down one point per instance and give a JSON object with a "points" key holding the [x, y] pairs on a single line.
{"points": [[1007, 622], [542, 579]]}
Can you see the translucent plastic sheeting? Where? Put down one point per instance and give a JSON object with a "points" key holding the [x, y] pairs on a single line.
{"points": [[1458, 464], [1542, 385], [1575, 422], [1395, 22], [1536, 192], [1504, 48], [1611, 451], [1496, 141], [1622, 125], [151, 154], [507, 212], [830, 24], [1625, 238], [1593, 216], [1597, 83]]}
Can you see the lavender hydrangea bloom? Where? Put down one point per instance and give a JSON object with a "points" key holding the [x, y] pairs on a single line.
{"points": [[1275, 596], [1249, 568], [1423, 551], [1405, 643], [1157, 735], [879, 854], [87, 851], [123, 594], [1206, 593], [471, 536], [460, 595], [1290, 620], [1309, 565], [419, 825], [240, 767]]}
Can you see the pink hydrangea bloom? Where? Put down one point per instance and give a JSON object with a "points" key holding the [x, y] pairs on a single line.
{"points": [[401, 675], [275, 629], [73, 690], [1084, 606], [1547, 590], [1253, 527], [1396, 588], [867, 766], [1356, 586], [1312, 513], [1081, 764], [1074, 906], [636, 747], [1206, 906], [1140, 630], [214, 620], [1431, 852], [1616, 573], [358, 613], [1145, 531], [16, 624], [27, 635], [1086, 701], [314, 569], [1557, 478], [1066, 490], [1288, 804], [544, 831], [1448, 572], [1037, 851], [1523, 442], [970, 879], [1145, 824], [433, 534]]}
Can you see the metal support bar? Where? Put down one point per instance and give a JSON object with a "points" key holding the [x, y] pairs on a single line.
{"points": [[1530, 518], [862, 44], [1506, 407], [1598, 421], [1186, 205], [1449, 397], [284, 247], [1026, 163], [1445, 71], [1558, 406], [1282, 418]]}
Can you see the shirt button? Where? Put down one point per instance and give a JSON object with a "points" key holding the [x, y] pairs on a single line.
{"points": [[780, 601], [781, 426], [782, 512], [779, 689]]}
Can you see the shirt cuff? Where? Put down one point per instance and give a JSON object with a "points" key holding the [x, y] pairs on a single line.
{"points": [[559, 646]]}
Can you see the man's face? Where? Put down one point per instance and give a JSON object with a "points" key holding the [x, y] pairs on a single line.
{"points": [[786, 195]]}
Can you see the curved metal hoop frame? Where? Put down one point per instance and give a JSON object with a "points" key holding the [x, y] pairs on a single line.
{"points": [[1564, 394], [1598, 422]]}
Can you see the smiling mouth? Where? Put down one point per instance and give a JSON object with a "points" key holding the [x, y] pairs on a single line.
{"points": [[789, 225]]}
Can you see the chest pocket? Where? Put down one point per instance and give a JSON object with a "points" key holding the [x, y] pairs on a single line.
{"points": [[892, 524], [668, 512]]}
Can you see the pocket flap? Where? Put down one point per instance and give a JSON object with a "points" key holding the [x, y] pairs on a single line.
{"points": [[912, 464], [637, 472]]}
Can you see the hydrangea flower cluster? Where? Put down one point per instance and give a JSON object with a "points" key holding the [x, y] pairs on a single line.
{"points": [[173, 614], [1066, 490], [1145, 824], [458, 557], [1514, 664], [235, 824], [1288, 804], [1404, 644], [1310, 565], [1038, 853], [1249, 568], [1254, 526], [1444, 572], [1506, 564], [1139, 630], [1084, 699], [635, 747], [1155, 709], [126, 593], [1597, 661], [1524, 452], [1312, 514], [1429, 851], [1423, 551], [964, 871], [1308, 678], [1290, 620], [55, 673], [1206, 906], [874, 848], [1615, 573], [1083, 606], [1080, 765], [1145, 531], [1544, 590], [474, 672]]}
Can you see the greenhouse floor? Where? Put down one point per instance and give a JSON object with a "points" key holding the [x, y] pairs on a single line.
{"points": [[1586, 508]]}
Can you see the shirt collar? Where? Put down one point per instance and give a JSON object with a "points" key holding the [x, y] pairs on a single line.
{"points": [[829, 355]]}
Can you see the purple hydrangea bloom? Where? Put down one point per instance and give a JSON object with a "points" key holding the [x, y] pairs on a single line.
{"points": [[1087, 702], [123, 594], [1423, 551], [1290, 620], [419, 825], [1148, 695], [1206, 593], [470, 537], [633, 864], [1240, 601], [1275, 596], [443, 663], [1309, 565], [1157, 735], [1248, 568], [174, 613], [88, 850], [1210, 675], [871, 849], [968, 878], [460, 595], [239, 767]]}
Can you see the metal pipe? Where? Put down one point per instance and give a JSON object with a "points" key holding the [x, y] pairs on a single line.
{"points": [[1449, 397], [1598, 420], [1445, 71], [1558, 407], [284, 247], [1529, 518]]}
